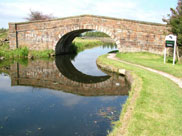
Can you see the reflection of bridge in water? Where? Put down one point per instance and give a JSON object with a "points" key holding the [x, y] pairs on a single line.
{"points": [[65, 77], [66, 68]]}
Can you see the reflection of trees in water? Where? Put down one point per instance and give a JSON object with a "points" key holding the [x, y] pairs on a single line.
{"points": [[109, 46]]}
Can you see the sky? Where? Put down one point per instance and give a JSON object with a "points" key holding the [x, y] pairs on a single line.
{"points": [[142, 10]]}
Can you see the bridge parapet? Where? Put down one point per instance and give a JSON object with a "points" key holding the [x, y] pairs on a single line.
{"points": [[129, 35]]}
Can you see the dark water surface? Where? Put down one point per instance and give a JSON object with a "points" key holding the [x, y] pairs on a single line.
{"points": [[68, 96]]}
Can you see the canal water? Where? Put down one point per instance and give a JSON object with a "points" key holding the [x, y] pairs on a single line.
{"points": [[68, 96]]}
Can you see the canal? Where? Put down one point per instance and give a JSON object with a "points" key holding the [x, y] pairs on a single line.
{"points": [[67, 96]]}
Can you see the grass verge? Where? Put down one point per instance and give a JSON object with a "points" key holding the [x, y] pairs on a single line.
{"points": [[9, 54], [23, 52], [3, 33], [80, 44], [153, 61], [157, 110], [41, 54]]}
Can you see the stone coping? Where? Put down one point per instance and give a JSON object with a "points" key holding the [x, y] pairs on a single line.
{"points": [[87, 15]]}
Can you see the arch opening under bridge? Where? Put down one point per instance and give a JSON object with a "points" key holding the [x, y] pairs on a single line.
{"points": [[64, 45]]}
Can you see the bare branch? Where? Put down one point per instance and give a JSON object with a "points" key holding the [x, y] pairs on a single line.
{"points": [[36, 15]]}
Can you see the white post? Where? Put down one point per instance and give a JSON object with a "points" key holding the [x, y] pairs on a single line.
{"points": [[174, 54], [165, 52], [171, 42]]}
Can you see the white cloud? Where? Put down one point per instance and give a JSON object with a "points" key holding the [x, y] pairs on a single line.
{"points": [[68, 99], [19, 9], [5, 86]]}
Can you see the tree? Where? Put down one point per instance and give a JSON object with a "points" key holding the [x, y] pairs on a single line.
{"points": [[36, 15], [174, 23]]}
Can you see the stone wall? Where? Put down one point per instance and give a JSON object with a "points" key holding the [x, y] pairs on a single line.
{"points": [[129, 35]]}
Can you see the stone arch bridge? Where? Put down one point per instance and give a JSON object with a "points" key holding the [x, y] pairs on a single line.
{"points": [[58, 34]]}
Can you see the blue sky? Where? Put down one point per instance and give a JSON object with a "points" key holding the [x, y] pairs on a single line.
{"points": [[144, 10]]}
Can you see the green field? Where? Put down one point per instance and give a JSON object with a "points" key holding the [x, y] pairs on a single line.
{"points": [[153, 61], [3, 33], [94, 34], [80, 44], [157, 109]]}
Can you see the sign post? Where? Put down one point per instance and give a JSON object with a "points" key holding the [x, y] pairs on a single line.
{"points": [[165, 52], [174, 54], [170, 43]]}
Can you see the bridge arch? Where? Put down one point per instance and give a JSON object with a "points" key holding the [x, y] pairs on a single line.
{"points": [[66, 38]]}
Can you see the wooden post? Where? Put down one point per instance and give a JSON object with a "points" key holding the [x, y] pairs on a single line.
{"points": [[16, 35], [165, 52], [174, 54]]}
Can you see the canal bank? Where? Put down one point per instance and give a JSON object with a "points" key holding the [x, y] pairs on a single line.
{"points": [[54, 93], [71, 81], [156, 109]]}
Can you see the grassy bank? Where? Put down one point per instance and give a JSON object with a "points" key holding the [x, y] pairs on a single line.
{"points": [[157, 110], [24, 52], [3, 33], [95, 34], [153, 61], [10, 54], [80, 44], [41, 54]]}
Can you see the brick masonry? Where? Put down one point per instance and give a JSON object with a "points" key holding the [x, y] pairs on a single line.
{"points": [[129, 35]]}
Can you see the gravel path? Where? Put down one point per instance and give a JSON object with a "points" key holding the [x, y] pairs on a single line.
{"points": [[178, 81]]}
